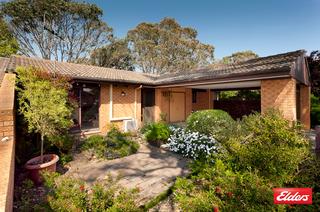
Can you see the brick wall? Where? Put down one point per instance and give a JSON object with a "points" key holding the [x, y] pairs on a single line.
{"points": [[203, 101], [280, 94], [305, 106], [128, 105], [7, 151], [104, 108]]}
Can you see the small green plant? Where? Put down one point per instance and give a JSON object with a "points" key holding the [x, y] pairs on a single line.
{"points": [[97, 143], [157, 132], [210, 122], [68, 194], [115, 145], [119, 145], [163, 117]]}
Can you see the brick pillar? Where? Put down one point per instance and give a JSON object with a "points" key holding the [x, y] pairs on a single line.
{"points": [[280, 94], [209, 99], [188, 101], [305, 106], [104, 108], [7, 142]]}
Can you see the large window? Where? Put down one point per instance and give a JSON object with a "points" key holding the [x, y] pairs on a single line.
{"points": [[86, 116]]}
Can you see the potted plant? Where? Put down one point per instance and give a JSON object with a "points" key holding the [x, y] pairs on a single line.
{"points": [[43, 102]]}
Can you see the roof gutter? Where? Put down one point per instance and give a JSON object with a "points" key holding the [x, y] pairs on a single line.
{"points": [[223, 81]]}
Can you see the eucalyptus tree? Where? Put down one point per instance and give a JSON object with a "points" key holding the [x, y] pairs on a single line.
{"points": [[63, 30]]}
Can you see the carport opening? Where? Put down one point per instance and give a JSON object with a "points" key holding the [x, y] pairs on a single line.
{"points": [[238, 102]]}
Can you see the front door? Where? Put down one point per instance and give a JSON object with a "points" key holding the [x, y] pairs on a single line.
{"points": [[86, 115], [177, 107]]}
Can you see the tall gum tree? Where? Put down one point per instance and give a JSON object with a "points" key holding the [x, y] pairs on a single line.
{"points": [[167, 47], [56, 29]]}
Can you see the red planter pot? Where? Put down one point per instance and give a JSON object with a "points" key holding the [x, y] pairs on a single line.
{"points": [[35, 169]]}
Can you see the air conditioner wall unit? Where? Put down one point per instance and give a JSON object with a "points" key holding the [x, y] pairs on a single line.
{"points": [[129, 125]]}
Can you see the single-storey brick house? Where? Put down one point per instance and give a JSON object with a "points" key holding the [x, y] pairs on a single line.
{"points": [[129, 98]]}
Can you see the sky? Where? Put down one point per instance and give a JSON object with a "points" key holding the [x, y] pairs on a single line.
{"points": [[264, 26]]}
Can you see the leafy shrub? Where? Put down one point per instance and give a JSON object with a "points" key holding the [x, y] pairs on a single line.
{"points": [[209, 122], [69, 194], [96, 143], [63, 142], [156, 132], [218, 186], [315, 110], [118, 145], [269, 144], [191, 144], [260, 152], [65, 158], [115, 145], [308, 176]]}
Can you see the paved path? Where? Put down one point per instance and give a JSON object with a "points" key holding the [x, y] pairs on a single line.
{"points": [[151, 170]]}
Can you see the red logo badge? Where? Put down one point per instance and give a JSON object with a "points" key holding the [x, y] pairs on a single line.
{"points": [[302, 196]]}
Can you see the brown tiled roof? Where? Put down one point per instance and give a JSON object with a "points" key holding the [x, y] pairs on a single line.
{"points": [[80, 71], [281, 64], [3, 67], [275, 64]]}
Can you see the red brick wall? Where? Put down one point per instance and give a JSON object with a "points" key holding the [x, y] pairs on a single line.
{"points": [[280, 94], [104, 109], [305, 106], [202, 102], [122, 106], [7, 151]]}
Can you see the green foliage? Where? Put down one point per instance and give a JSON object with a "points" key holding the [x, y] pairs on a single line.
{"points": [[65, 158], [315, 110], [68, 194], [261, 152], [314, 67], [241, 95], [76, 23], [308, 176], [218, 186], [209, 122], [114, 55], [167, 47], [239, 57], [8, 44], [63, 142], [268, 144], [119, 145], [43, 102], [156, 132], [97, 143], [115, 145]]}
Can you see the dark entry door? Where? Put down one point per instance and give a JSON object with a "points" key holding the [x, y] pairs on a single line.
{"points": [[90, 106], [86, 116]]}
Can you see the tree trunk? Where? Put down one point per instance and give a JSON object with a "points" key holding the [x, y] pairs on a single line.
{"points": [[41, 153]]}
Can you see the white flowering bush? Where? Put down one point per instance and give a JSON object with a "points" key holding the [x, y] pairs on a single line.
{"points": [[191, 144]]}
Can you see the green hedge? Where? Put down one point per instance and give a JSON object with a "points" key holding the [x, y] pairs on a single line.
{"points": [[209, 122], [115, 145], [157, 132]]}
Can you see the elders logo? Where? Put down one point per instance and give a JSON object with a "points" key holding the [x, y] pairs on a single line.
{"points": [[301, 196]]}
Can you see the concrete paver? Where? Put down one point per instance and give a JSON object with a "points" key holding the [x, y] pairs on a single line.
{"points": [[151, 170]]}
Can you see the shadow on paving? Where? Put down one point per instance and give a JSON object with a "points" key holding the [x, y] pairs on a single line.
{"points": [[151, 170]]}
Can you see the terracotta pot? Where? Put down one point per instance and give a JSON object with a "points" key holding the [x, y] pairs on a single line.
{"points": [[35, 169]]}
